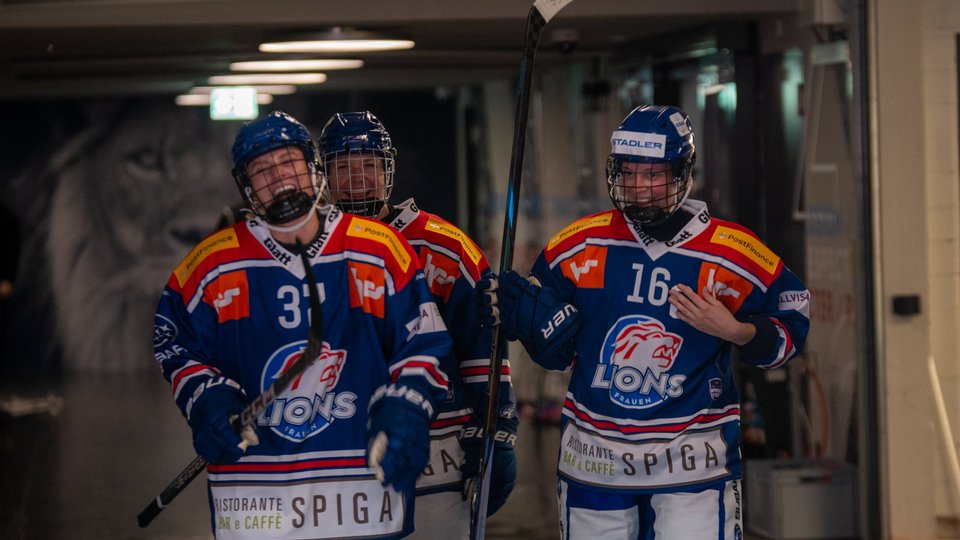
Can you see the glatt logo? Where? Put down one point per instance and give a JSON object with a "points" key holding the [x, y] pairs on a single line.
{"points": [[635, 362], [310, 404]]}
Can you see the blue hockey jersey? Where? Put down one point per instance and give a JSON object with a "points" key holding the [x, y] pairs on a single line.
{"points": [[453, 263], [651, 405], [238, 306]]}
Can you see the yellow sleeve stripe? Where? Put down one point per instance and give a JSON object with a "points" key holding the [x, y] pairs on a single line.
{"points": [[450, 231], [749, 246], [580, 225], [224, 239], [372, 230]]}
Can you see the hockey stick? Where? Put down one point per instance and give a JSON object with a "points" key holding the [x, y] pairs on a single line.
{"points": [[249, 415], [540, 14]]}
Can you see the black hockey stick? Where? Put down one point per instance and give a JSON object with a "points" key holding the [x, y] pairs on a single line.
{"points": [[249, 415], [540, 14]]}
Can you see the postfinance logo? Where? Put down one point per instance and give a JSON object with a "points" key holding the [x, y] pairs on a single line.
{"points": [[747, 245]]}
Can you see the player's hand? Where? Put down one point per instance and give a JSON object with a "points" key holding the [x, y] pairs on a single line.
{"points": [[398, 434], [707, 314], [503, 469], [488, 310], [211, 417], [535, 314]]}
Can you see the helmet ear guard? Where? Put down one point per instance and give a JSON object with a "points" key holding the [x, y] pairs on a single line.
{"points": [[354, 137], [277, 130], [652, 134]]}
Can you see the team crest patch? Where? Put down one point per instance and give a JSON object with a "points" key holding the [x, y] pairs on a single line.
{"points": [[311, 404], [164, 331], [441, 272], [716, 388], [727, 287], [229, 294], [369, 287], [587, 267], [636, 360]]}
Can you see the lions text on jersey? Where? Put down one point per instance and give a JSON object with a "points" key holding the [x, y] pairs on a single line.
{"points": [[238, 307], [651, 405]]}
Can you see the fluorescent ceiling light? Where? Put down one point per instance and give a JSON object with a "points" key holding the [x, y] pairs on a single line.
{"points": [[274, 89], [295, 65], [338, 46], [337, 40], [268, 78], [204, 99]]}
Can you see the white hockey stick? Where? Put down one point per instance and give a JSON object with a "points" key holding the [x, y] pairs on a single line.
{"points": [[540, 14], [249, 415]]}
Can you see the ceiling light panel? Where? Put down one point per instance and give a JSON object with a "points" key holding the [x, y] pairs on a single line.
{"points": [[337, 45], [268, 78], [296, 65]]}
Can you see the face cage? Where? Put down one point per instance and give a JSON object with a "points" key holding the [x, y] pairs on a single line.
{"points": [[294, 197], [658, 209], [353, 187]]}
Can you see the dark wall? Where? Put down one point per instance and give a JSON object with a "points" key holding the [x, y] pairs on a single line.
{"points": [[110, 194]]}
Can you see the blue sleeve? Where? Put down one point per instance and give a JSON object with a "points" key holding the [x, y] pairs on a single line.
{"points": [[563, 357], [472, 346], [180, 348], [416, 340], [782, 323]]}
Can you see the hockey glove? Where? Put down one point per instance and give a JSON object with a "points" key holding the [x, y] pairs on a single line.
{"points": [[398, 436], [211, 416], [503, 469], [488, 312], [539, 318]]}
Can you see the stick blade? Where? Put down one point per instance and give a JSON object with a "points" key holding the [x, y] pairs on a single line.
{"points": [[549, 8], [146, 516]]}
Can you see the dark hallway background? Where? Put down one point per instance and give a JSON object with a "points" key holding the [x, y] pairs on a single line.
{"points": [[111, 194]]}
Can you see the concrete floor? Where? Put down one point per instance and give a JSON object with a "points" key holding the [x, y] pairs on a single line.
{"points": [[114, 442], [87, 471]]}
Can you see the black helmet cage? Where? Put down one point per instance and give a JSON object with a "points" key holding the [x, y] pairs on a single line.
{"points": [[294, 204], [655, 211], [353, 198]]}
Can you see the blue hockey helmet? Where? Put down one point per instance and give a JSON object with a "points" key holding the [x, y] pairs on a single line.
{"points": [[277, 130], [651, 134], [347, 142]]}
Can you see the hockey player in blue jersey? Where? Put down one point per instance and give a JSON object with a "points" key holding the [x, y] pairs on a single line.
{"points": [[645, 304], [359, 157], [233, 317]]}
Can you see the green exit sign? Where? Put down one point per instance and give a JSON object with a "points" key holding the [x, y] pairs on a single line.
{"points": [[233, 103]]}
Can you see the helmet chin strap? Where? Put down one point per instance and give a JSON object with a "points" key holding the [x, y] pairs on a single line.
{"points": [[652, 216], [298, 224], [368, 207]]}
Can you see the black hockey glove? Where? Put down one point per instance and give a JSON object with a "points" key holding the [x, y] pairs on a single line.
{"points": [[503, 469], [488, 312], [398, 436], [210, 415], [535, 315]]}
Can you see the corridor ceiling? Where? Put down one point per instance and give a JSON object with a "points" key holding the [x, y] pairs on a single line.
{"points": [[67, 48]]}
